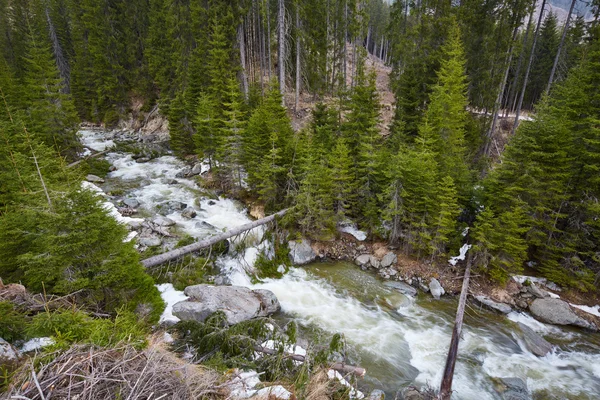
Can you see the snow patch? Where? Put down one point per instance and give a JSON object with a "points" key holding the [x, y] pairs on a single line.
{"points": [[354, 394], [170, 296], [350, 227], [36, 343], [595, 310], [461, 257]]}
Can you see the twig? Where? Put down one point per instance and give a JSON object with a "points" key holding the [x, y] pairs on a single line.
{"points": [[37, 384]]}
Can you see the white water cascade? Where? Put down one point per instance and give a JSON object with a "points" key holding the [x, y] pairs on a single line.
{"points": [[399, 340]]}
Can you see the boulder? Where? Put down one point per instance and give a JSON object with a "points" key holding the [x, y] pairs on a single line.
{"points": [[389, 259], [300, 252], [183, 173], [402, 287], [512, 389], [236, 302], [534, 342], [412, 393], [363, 260], [132, 203], [374, 262], [492, 305], [436, 289], [169, 181], [558, 312], [205, 225], [536, 291], [163, 221], [196, 169], [142, 160], [150, 241], [94, 179], [8, 355], [189, 212], [376, 395], [169, 207]]}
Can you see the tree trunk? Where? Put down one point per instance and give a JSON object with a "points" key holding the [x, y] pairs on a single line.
{"points": [[446, 386], [500, 96], [263, 59], [526, 79], [512, 96], [562, 41], [61, 61], [381, 49], [270, 60], [368, 39], [345, 74], [173, 254], [297, 57], [242, 46], [281, 48]]}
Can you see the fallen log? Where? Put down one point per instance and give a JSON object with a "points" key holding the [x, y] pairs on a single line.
{"points": [[201, 244], [446, 386], [340, 367], [87, 158]]}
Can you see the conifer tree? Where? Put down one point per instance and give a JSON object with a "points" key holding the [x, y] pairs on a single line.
{"points": [[444, 225], [342, 179], [180, 127], [231, 152], [207, 136]]}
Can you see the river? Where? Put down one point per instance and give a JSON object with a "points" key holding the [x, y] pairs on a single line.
{"points": [[398, 339]]}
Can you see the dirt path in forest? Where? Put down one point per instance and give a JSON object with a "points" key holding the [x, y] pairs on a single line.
{"points": [[301, 116]]}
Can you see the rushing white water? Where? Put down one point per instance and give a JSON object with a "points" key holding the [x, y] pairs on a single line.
{"points": [[399, 340]]}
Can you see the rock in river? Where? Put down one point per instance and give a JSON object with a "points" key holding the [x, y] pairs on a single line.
{"points": [[558, 312], [534, 342], [301, 252], [236, 302], [402, 287], [492, 305], [389, 259], [436, 289], [513, 389]]}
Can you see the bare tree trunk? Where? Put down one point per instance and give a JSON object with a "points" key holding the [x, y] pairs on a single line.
{"points": [[61, 61], [281, 48], [500, 96], [526, 79], [270, 60], [173, 254], [297, 57], [368, 39], [446, 386], [562, 41], [242, 46], [381, 49], [263, 60], [345, 45], [512, 97]]}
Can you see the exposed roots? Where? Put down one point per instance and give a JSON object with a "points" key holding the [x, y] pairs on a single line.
{"points": [[87, 372]]}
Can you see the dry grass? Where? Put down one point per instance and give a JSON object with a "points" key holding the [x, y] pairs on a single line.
{"points": [[87, 372]]}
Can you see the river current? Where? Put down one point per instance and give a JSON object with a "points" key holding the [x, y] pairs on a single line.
{"points": [[399, 340]]}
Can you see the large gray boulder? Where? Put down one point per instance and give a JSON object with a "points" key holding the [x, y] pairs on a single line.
{"points": [[389, 259], [363, 260], [376, 394], [513, 389], [8, 354], [189, 213], [133, 203], [436, 289], [374, 262], [402, 287], [163, 221], [300, 252], [558, 312], [492, 305], [236, 302], [94, 179], [534, 342], [537, 292]]}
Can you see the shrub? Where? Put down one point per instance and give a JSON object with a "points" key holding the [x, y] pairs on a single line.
{"points": [[13, 322]]}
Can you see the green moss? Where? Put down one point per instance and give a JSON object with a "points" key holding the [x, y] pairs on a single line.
{"points": [[95, 166], [268, 268]]}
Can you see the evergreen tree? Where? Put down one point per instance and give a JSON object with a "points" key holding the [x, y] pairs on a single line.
{"points": [[231, 153], [180, 127], [207, 137]]}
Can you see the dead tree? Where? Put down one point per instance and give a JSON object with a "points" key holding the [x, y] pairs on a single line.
{"points": [[173, 254], [560, 46], [446, 386]]}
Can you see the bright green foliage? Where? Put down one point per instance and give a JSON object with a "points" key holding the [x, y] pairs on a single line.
{"points": [[207, 136], [499, 245], [410, 198], [72, 326], [76, 246], [446, 117], [324, 126], [180, 127], [230, 155], [550, 171], [444, 225], [342, 179], [267, 148], [13, 322]]}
